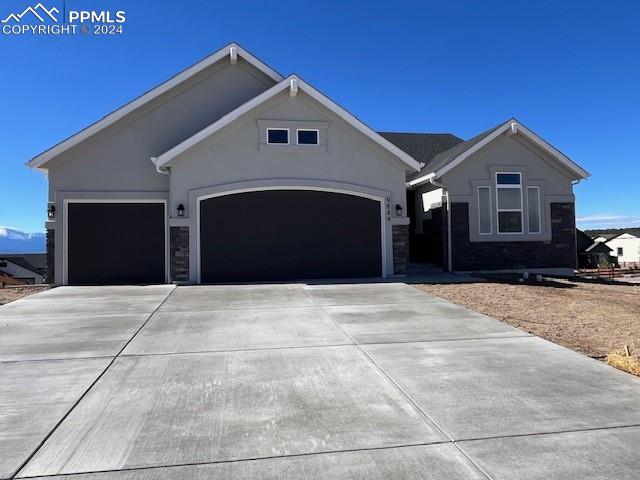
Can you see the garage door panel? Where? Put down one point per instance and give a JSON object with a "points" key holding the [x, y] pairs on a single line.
{"points": [[116, 243], [281, 235]]}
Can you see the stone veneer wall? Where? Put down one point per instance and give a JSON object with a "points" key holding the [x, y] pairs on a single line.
{"points": [[560, 252], [400, 234], [51, 257], [179, 254]]}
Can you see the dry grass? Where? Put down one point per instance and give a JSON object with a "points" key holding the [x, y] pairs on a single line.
{"points": [[591, 318], [623, 359], [9, 294]]}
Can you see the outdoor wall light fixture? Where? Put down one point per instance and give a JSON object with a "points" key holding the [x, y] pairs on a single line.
{"points": [[398, 210], [51, 212], [181, 210]]}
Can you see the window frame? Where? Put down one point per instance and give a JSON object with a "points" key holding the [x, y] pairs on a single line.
{"points": [[620, 251], [490, 232], [539, 231], [317, 130], [518, 186], [268, 129]]}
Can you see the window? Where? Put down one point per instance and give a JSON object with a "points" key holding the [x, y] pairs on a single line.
{"points": [[484, 210], [278, 135], [509, 202], [533, 209], [620, 251], [308, 137]]}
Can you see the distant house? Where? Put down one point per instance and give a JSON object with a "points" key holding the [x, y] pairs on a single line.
{"points": [[625, 247], [593, 253], [29, 268]]}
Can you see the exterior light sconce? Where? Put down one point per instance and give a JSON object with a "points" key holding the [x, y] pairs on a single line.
{"points": [[398, 210], [181, 210], [51, 212]]}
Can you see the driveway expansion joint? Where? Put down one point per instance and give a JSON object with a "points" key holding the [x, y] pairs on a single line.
{"points": [[84, 394], [425, 416]]}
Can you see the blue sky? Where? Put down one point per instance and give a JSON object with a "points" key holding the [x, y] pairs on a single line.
{"points": [[570, 71]]}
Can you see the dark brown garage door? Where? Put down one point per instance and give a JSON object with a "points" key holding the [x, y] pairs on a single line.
{"points": [[116, 243], [289, 234]]}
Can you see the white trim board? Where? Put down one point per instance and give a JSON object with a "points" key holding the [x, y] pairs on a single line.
{"points": [[287, 83], [383, 241], [229, 50], [65, 229], [510, 127]]}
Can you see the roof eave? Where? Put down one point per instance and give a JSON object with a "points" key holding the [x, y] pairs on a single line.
{"points": [[43, 158], [293, 81]]}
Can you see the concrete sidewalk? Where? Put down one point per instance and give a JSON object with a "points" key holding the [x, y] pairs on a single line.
{"points": [[376, 380]]}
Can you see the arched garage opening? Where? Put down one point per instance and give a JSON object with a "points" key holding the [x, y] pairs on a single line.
{"points": [[288, 235]]}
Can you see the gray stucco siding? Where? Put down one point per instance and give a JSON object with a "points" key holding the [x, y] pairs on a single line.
{"points": [[510, 154], [235, 158], [115, 162]]}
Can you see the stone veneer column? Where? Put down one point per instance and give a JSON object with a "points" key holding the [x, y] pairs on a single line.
{"points": [[179, 254], [50, 277], [400, 234]]}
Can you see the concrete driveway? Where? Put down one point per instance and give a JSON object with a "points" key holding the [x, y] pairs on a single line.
{"points": [[299, 381]]}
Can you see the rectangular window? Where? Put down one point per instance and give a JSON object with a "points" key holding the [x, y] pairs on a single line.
{"points": [[308, 137], [278, 136], [620, 251], [509, 202], [533, 209], [484, 210]]}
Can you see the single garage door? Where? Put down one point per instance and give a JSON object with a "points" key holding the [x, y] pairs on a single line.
{"points": [[289, 234], [116, 243]]}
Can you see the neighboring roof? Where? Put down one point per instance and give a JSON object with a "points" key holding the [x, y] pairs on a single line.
{"points": [[233, 50], [449, 159], [35, 262], [293, 83], [611, 233], [598, 247], [422, 146]]}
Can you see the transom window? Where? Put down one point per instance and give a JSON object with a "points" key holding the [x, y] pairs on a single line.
{"points": [[308, 136], [278, 136], [509, 202]]}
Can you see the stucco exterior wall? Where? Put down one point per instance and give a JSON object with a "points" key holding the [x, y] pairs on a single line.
{"points": [[115, 163], [510, 154], [20, 272], [237, 159]]}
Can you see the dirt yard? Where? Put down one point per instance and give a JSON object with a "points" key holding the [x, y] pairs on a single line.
{"points": [[591, 318], [9, 294]]}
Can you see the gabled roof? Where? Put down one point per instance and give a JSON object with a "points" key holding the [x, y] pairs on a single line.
{"points": [[233, 50], [293, 83], [422, 146], [34, 262], [449, 159]]}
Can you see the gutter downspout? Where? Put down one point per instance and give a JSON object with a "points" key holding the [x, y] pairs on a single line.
{"points": [[449, 246]]}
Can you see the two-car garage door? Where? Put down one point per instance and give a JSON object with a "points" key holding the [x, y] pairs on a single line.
{"points": [[289, 234]]}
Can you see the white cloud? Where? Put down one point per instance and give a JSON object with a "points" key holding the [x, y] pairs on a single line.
{"points": [[608, 220]]}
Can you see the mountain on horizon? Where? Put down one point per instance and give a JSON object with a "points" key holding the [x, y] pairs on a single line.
{"points": [[16, 241]]}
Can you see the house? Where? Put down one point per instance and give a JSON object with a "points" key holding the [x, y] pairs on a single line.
{"points": [[231, 172], [29, 268], [591, 253], [626, 248]]}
